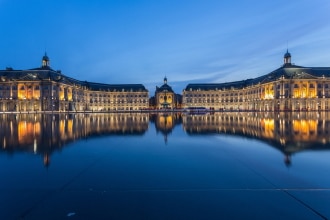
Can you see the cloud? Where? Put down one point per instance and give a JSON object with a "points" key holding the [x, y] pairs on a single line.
{"points": [[217, 41]]}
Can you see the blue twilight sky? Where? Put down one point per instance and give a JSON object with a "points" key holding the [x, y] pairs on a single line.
{"points": [[141, 41]]}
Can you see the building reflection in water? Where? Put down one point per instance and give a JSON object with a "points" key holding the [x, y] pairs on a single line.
{"points": [[44, 133], [288, 132], [165, 122]]}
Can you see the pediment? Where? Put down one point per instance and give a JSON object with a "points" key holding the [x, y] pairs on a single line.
{"points": [[303, 75]]}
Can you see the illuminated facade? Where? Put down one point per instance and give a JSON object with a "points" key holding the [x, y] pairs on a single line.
{"points": [[165, 98], [288, 88], [44, 89]]}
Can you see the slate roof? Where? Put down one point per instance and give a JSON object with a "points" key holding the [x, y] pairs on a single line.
{"points": [[288, 71], [164, 88], [115, 87], [47, 74]]}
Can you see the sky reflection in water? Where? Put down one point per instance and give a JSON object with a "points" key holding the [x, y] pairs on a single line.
{"points": [[165, 166]]}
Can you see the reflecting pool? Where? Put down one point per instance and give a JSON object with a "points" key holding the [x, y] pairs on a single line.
{"points": [[165, 166]]}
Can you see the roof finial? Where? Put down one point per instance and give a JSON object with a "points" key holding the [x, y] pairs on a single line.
{"points": [[287, 46], [45, 60], [287, 57]]}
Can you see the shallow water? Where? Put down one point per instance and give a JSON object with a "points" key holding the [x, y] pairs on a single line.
{"points": [[165, 166]]}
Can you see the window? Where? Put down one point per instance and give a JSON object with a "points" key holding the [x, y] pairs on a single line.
{"points": [[277, 94]]}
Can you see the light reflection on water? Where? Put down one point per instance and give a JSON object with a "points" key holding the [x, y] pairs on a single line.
{"points": [[43, 134], [145, 159]]}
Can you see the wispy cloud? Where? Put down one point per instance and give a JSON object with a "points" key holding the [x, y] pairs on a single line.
{"points": [[141, 42]]}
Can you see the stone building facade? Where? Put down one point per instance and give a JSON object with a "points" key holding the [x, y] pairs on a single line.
{"points": [[288, 88], [165, 98], [44, 89]]}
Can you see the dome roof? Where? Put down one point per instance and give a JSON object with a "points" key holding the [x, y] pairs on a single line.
{"points": [[287, 54], [164, 88], [45, 57]]}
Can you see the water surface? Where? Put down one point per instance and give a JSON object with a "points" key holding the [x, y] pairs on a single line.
{"points": [[165, 166]]}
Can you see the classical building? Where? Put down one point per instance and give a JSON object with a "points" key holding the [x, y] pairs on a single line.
{"points": [[44, 89], [165, 98], [288, 88]]}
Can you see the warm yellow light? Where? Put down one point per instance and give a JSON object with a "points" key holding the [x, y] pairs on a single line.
{"points": [[269, 93], [27, 131], [305, 128], [268, 127], [70, 128], [62, 128]]}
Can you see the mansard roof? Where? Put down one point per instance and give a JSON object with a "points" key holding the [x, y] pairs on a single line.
{"points": [[216, 86], [48, 74], [37, 74], [115, 87], [288, 71], [163, 88]]}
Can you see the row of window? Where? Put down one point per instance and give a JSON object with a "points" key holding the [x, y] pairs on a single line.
{"points": [[118, 101], [196, 100], [261, 93], [261, 90], [286, 85], [57, 88], [119, 96]]}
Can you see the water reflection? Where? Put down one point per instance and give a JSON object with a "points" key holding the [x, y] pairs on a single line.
{"points": [[165, 122], [288, 132], [44, 133]]}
